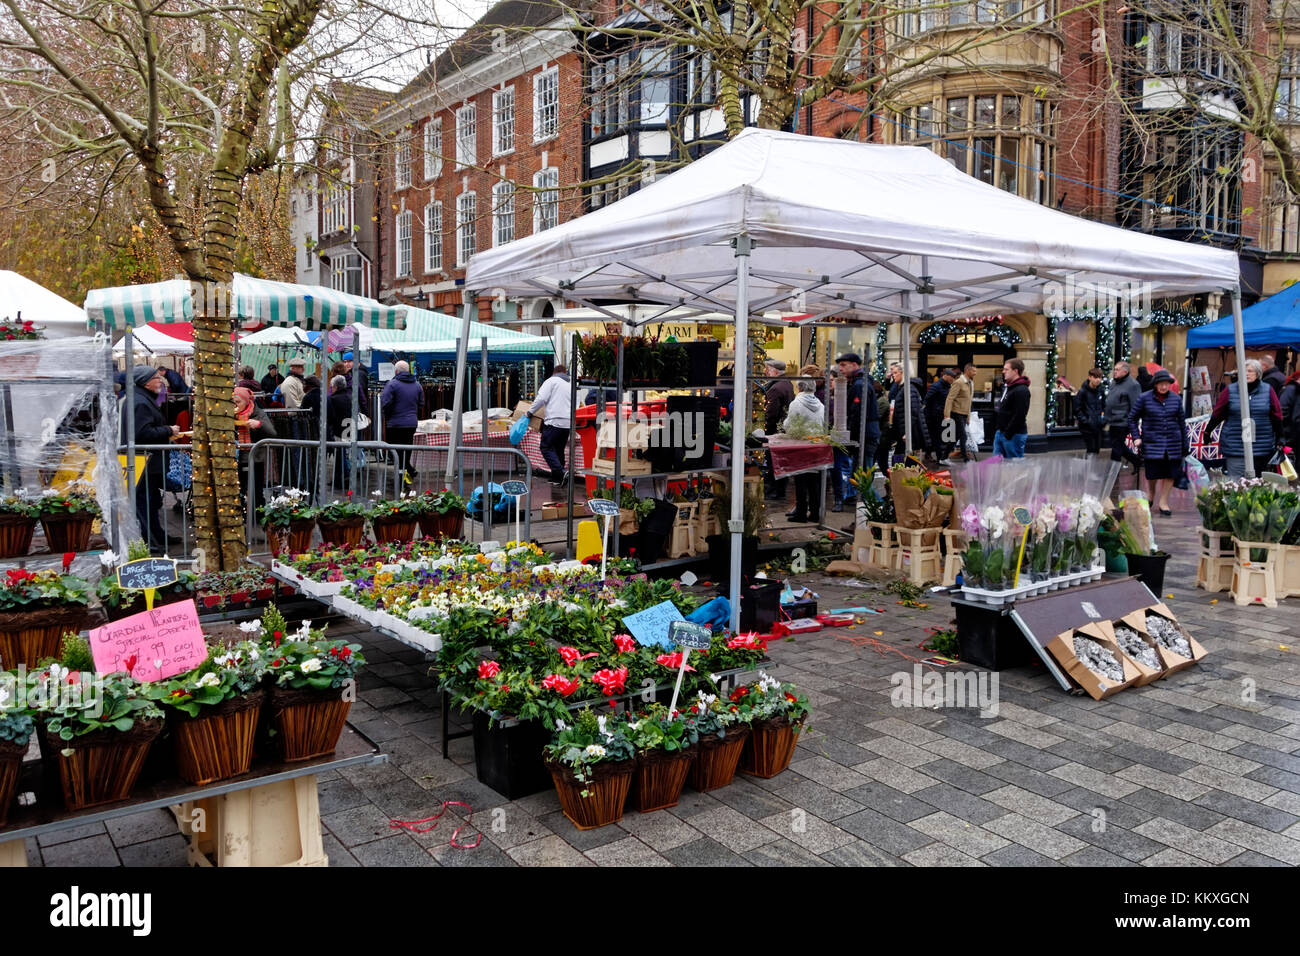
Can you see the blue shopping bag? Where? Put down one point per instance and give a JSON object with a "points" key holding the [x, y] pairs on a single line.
{"points": [[518, 430]]}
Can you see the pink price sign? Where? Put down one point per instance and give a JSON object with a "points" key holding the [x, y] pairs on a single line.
{"points": [[158, 644]]}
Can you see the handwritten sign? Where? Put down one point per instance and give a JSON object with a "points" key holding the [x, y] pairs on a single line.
{"points": [[146, 573], [650, 626], [690, 634], [164, 642], [515, 488], [603, 506]]}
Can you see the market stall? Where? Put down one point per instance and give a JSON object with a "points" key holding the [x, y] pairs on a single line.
{"points": [[22, 300]]}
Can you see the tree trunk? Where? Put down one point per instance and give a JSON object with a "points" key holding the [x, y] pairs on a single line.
{"points": [[218, 517]]}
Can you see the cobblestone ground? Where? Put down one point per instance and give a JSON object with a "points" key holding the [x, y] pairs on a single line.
{"points": [[1192, 770]]}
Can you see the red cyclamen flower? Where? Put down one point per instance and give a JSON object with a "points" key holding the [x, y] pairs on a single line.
{"points": [[488, 669]]}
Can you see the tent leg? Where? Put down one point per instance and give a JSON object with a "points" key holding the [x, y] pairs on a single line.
{"points": [[128, 407], [458, 400], [353, 470], [739, 424], [322, 456], [906, 348], [1248, 435]]}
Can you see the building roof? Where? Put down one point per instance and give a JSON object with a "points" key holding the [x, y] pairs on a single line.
{"points": [[352, 101], [513, 16]]}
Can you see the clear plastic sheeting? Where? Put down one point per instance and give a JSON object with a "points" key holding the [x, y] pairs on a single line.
{"points": [[59, 424]]}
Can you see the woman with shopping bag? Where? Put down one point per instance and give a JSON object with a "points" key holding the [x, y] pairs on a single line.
{"points": [[1159, 431]]}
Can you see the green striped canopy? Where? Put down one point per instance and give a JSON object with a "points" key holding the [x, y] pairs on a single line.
{"points": [[438, 332], [262, 300]]}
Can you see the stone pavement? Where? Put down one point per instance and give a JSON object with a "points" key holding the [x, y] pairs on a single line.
{"points": [[1201, 768]]}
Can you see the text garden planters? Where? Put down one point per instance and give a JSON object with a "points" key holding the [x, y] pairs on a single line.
{"points": [[27, 637], [716, 759], [660, 776], [294, 539], [15, 535], [65, 533], [606, 792], [438, 527], [769, 748], [509, 759], [394, 529], [11, 764], [217, 744], [307, 723], [104, 764], [343, 534]]}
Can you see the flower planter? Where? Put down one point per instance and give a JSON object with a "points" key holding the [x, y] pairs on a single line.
{"points": [[394, 529], [439, 527], [769, 748], [292, 539], [660, 776], [1216, 543], [1288, 571], [11, 764], [343, 534], [65, 533], [307, 723], [16, 535], [217, 744], [509, 759], [104, 764], [717, 758], [27, 637], [1149, 569], [606, 792]]}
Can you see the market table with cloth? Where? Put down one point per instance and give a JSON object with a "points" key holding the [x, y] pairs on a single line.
{"points": [[430, 460], [792, 456]]}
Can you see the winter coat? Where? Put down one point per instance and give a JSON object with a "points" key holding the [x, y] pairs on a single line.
{"points": [[1276, 379], [959, 398], [1265, 411], [806, 406], [151, 428], [920, 431], [1121, 398], [1089, 407], [338, 409], [402, 401], [1013, 411], [936, 399], [1160, 424], [779, 396], [1291, 413]]}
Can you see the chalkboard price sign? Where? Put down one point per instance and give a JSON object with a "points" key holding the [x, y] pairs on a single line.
{"points": [[146, 573], [690, 634], [603, 506], [514, 488]]}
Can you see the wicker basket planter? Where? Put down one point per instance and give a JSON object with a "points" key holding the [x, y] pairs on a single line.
{"points": [[660, 776], [15, 535], [104, 764], [438, 527], [294, 539], [769, 748], [65, 533], [717, 758], [343, 534], [11, 764], [394, 529], [307, 723], [217, 744], [606, 792], [27, 637]]}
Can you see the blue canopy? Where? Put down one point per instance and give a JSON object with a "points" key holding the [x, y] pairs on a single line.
{"points": [[1272, 321]]}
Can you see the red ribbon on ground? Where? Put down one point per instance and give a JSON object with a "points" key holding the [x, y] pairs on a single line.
{"points": [[414, 825]]}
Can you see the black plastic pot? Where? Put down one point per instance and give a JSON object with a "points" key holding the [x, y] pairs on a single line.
{"points": [[720, 556], [987, 637], [760, 606], [509, 759], [1149, 569], [649, 545], [703, 358]]}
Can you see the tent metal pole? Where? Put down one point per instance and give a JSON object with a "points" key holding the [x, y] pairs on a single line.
{"points": [[739, 422], [128, 394], [1247, 424], [322, 478], [353, 470], [907, 385], [458, 399]]}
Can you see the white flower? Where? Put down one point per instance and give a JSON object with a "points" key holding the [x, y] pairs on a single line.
{"points": [[561, 725], [706, 700], [254, 653], [713, 679], [108, 559], [993, 521], [600, 723], [208, 680], [311, 666], [595, 750], [250, 627], [48, 493]]}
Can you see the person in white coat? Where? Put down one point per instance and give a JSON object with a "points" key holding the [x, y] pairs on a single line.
{"points": [[555, 396], [807, 486]]}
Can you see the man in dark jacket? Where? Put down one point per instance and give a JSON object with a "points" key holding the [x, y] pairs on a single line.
{"points": [[896, 437], [403, 402], [1158, 426], [935, 399], [861, 402], [1090, 411], [338, 409], [150, 429], [1273, 375], [779, 395], [271, 380], [1013, 412], [1123, 395]]}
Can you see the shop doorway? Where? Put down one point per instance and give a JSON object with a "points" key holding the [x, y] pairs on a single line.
{"points": [[954, 345]]}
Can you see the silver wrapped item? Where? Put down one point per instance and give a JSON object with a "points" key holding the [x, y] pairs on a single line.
{"points": [[1132, 644], [1167, 633], [1098, 659]]}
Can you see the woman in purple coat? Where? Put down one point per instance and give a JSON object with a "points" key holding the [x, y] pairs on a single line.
{"points": [[1159, 429]]}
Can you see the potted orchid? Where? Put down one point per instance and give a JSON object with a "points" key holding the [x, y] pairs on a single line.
{"points": [[984, 562], [1086, 524], [1040, 550], [591, 763]]}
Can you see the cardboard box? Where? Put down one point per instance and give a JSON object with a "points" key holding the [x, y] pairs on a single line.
{"points": [[522, 409], [1148, 674], [1173, 662], [1062, 648], [555, 509]]}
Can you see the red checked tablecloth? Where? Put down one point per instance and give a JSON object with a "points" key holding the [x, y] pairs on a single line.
{"points": [[436, 458], [791, 457]]}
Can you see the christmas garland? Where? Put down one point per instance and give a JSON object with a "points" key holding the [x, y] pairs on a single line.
{"points": [[994, 330], [1050, 414], [882, 338]]}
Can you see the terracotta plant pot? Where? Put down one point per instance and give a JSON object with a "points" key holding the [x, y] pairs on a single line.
{"points": [[16, 535], [394, 529], [308, 723], [717, 758], [438, 527], [294, 539], [104, 764], [217, 744], [660, 776], [769, 748], [343, 534], [606, 792], [11, 764], [27, 637], [65, 533]]}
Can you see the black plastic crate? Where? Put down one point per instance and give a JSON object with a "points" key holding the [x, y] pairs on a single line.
{"points": [[509, 759]]}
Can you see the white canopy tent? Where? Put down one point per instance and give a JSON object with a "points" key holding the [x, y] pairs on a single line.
{"points": [[828, 227], [151, 341], [21, 297]]}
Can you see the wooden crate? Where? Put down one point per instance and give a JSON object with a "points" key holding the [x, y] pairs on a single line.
{"points": [[1255, 582], [681, 544], [954, 543], [634, 443], [1214, 573], [917, 554]]}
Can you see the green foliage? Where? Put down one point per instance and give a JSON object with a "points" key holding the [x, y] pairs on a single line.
{"points": [[942, 642], [79, 499], [22, 590], [907, 592], [658, 730], [227, 673], [71, 706], [74, 653], [137, 550]]}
